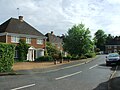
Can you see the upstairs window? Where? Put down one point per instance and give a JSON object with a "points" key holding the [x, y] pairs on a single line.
{"points": [[15, 39], [39, 41], [28, 40]]}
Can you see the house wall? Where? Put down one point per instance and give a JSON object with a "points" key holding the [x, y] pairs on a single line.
{"points": [[112, 48], [3, 39], [33, 42]]}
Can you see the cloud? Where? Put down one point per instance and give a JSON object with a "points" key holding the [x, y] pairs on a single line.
{"points": [[59, 15]]}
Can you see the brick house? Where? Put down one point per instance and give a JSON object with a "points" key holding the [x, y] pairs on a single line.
{"points": [[57, 41], [113, 45], [12, 30]]}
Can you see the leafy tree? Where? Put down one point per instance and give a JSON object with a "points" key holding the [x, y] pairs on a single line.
{"points": [[51, 49], [109, 38], [100, 39], [78, 40], [22, 48]]}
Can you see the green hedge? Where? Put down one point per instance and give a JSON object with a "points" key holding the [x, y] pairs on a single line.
{"points": [[6, 57], [22, 48], [44, 58]]}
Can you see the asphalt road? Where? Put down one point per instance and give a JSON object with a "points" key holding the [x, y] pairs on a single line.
{"points": [[78, 76]]}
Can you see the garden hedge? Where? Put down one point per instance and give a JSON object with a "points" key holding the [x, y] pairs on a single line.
{"points": [[6, 57], [44, 58]]}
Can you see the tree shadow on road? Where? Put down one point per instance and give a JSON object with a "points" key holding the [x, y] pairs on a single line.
{"points": [[112, 84], [102, 86]]}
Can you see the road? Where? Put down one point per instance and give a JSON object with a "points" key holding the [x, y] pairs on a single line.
{"points": [[77, 76]]}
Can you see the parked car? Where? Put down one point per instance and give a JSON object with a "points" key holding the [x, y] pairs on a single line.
{"points": [[112, 58]]}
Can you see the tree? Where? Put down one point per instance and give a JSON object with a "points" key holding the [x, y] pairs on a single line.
{"points": [[109, 38], [51, 49], [100, 39], [22, 48], [78, 40]]}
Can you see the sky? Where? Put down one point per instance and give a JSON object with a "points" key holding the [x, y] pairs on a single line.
{"points": [[60, 15]]}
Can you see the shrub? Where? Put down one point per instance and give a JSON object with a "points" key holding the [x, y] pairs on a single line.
{"points": [[6, 57], [44, 58], [90, 55], [22, 48], [68, 57], [83, 57], [75, 57]]}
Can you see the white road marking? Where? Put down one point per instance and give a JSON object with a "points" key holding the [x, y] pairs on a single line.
{"points": [[93, 66], [23, 87], [63, 68], [67, 75]]}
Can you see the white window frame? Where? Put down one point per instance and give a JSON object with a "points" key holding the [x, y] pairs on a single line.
{"points": [[15, 39], [28, 40], [39, 41]]}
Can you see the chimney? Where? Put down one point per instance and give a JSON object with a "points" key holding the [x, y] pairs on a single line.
{"points": [[21, 18], [52, 32]]}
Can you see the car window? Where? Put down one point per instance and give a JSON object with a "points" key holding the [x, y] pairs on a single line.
{"points": [[113, 55]]}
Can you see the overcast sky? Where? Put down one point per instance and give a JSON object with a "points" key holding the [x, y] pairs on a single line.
{"points": [[59, 15]]}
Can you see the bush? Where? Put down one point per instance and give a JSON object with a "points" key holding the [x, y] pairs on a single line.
{"points": [[44, 59], [90, 55], [6, 57], [83, 57], [68, 57], [22, 48], [75, 57]]}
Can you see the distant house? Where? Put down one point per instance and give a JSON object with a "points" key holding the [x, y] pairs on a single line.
{"points": [[55, 40], [12, 30], [113, 45]]}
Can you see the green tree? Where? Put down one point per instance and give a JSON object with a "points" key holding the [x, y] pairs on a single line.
{"points": [[51, 49], [100, 39], [109, 38], [78, 40], [22, 48]]}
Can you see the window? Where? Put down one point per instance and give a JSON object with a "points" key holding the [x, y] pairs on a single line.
{"points": [[16, 54], [15, 39], [28, 40], [39, 41]]}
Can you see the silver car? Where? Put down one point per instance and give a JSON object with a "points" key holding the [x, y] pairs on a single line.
{"points": [[112, 58]]}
